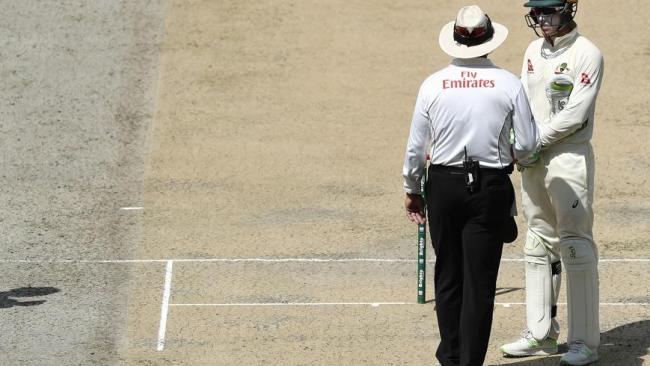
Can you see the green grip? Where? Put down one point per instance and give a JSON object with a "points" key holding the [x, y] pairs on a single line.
{"points": [[422, 265], [422, 251]]}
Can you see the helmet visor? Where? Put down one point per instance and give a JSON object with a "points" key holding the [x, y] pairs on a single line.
{"points": [[546, 16]]}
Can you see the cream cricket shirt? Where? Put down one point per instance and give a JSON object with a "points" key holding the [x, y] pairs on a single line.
{"points": [[562, 83], [470, 104]]}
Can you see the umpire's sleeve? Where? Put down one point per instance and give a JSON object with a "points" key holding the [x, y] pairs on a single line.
{"points": [[417, 144], [524, 126]]}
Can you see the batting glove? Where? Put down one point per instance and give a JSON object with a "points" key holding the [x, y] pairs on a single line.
{"points": [[528, 162]]}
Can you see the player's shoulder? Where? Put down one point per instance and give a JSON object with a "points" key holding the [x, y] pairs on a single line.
{"points": [[587, 47]]}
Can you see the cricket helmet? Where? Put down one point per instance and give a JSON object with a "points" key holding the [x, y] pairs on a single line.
{"points": [[557, 13]]}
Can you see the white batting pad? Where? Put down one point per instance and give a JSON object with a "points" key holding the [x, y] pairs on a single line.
{"points": [[580, 261], [542, 287]]}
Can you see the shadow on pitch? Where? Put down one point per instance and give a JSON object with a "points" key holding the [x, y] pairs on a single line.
{"points": [[621, 346], [505, 290], [499, 291], [7, 298]]}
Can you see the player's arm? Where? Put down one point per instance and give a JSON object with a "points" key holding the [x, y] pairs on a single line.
{"points": [[524, 70], [575, 114]]}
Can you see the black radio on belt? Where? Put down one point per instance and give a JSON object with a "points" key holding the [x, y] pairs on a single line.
{"points": [[472, 172]]}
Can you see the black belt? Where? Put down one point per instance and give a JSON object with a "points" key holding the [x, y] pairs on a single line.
{"points": [[459, 170]]}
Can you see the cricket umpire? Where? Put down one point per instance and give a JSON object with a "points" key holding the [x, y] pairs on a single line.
{"points": [[463, 118]]}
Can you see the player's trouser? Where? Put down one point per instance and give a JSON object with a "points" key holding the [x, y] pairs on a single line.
{"points": [[467, 240], [557, 196]]}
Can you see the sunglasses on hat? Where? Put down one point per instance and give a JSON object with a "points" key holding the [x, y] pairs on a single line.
{"points": [[464, 32], [476, 36]]}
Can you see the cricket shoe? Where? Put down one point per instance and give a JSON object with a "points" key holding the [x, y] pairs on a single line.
{"points": [[579, 354], [529, 346]]}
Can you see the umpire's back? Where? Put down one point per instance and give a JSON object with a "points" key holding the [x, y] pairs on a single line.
{"points": [[463, 117]]}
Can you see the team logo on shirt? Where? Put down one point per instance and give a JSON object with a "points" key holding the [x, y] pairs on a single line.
{"points": [[530, 67], [585, 79], [561, 69]]}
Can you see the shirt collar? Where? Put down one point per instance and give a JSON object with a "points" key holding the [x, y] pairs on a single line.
{"points": [[477, 61], [561, 43]]}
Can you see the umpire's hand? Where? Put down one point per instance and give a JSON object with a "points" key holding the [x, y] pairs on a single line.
{"points": [[414, 205]]}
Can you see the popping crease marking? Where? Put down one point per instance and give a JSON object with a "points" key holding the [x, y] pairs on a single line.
{"points": [[373, 304], [271, 260], [164, 307]]}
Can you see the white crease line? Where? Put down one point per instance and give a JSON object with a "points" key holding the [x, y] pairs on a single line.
{"points": [[599, 261], [312, 260], [225, 260], [164, 308], [135, 208], [76, 261], [625, 260], [273, 260], [509, 304], [375, 304]]}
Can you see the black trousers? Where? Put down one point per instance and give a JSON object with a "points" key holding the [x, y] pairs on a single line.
{"points": [[467, 235]]}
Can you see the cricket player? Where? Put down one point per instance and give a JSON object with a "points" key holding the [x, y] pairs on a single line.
{"points": [[562, 72]]}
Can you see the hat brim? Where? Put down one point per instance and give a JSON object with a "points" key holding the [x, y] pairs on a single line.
{"points": [[457, 50]]}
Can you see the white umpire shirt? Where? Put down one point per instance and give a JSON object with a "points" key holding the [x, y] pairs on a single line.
{"points": [[471, 104]]}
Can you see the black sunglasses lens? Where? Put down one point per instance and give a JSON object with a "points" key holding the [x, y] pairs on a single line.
{"points": [[543, 11]]}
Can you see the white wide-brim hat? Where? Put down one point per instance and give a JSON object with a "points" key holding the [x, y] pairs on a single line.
{"points": [[468, 19]]}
